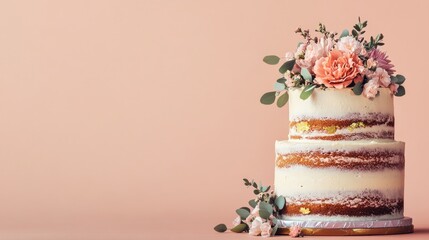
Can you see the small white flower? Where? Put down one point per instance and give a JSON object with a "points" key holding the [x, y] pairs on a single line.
{"points": [[349, 45], [255, 227]]}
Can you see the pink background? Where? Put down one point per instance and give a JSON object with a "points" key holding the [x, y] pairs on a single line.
{"points": [[138, 119]]}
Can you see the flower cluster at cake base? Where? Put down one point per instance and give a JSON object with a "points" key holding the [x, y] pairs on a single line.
{"points": [[261, 218], [331, 61]]}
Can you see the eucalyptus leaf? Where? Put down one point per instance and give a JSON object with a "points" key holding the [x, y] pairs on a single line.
{"points": [[393, 79], [280, 202], [253, 203], [268, 98], [246, 208], [243, 213], [263, 213], [239, 228], [256, 191], [276, 226], [266, 206], [307, 91], [255, 185], [281, 80], [271, 59], [287, 66], [400, 92], [358, 88], [279, 86], [345, 33], [400, 79], [266, 189], [282, 100], [246, 182], [220, 228], [306, 74]]}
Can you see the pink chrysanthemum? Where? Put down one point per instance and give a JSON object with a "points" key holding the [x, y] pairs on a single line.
{"points": [[382, 60]]}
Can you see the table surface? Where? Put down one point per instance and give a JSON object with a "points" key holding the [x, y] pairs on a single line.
{"points": [[197, 231]]}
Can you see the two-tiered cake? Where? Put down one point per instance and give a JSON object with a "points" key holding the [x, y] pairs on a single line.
{"points": [[341, 161]]}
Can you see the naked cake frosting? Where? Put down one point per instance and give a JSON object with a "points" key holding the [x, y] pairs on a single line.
{"points": [[352, 171]]}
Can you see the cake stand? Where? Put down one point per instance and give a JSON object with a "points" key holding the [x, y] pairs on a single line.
{"points": [[349, 228]]}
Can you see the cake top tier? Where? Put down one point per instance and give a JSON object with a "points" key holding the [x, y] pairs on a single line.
{"points": [[339, 114]]}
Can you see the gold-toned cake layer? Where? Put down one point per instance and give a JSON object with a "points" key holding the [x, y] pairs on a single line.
{"points": [[353, 127]]}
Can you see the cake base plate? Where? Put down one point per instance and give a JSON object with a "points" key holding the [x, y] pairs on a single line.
{"points": [[348, 228]]}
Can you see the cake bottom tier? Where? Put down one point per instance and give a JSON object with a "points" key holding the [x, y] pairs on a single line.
{"points": [[340, 181]]}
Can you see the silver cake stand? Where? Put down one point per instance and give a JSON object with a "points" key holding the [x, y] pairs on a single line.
{"points": [[344, 228]]}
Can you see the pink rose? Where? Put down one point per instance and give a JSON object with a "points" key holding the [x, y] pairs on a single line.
{"points": [[381, 76], [255, 227], [338, 69], [236, 221], [266, 229], [370, 89], [313, 51], [295, 231], [393, 88]]}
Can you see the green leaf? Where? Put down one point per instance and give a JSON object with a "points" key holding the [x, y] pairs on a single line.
{"points": [[263, 213], [282, 100], [271, 59], [280, 202], [268, 98], [307, 91], [358, 88], [246, 208], [266, 188], [239, 228], [246, 182], [281, 80], [400, 79], [400, 92], [393, 79], [345, 33], [266, 206], [354, 33], [220, 228], [279, 86], [256, 191], [287, 66], [276, 226], [255, 185], [306, 74], [253, 203], [243, 213]]}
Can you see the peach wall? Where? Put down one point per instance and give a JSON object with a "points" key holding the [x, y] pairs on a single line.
{"points": [[115, 115]]}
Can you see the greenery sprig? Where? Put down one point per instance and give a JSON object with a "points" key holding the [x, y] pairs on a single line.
{"points": [[267, 204]]}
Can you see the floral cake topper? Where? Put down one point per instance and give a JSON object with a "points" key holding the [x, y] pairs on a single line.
{"points": [[328, 61]]}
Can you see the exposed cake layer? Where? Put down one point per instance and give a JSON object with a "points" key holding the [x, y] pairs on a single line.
{"points": [[350, 204], [338, 114], [351, 179]]}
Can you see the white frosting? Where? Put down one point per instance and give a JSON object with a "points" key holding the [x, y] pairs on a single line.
{"points": [[300, 181], [337, 103], [291, 146]]}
